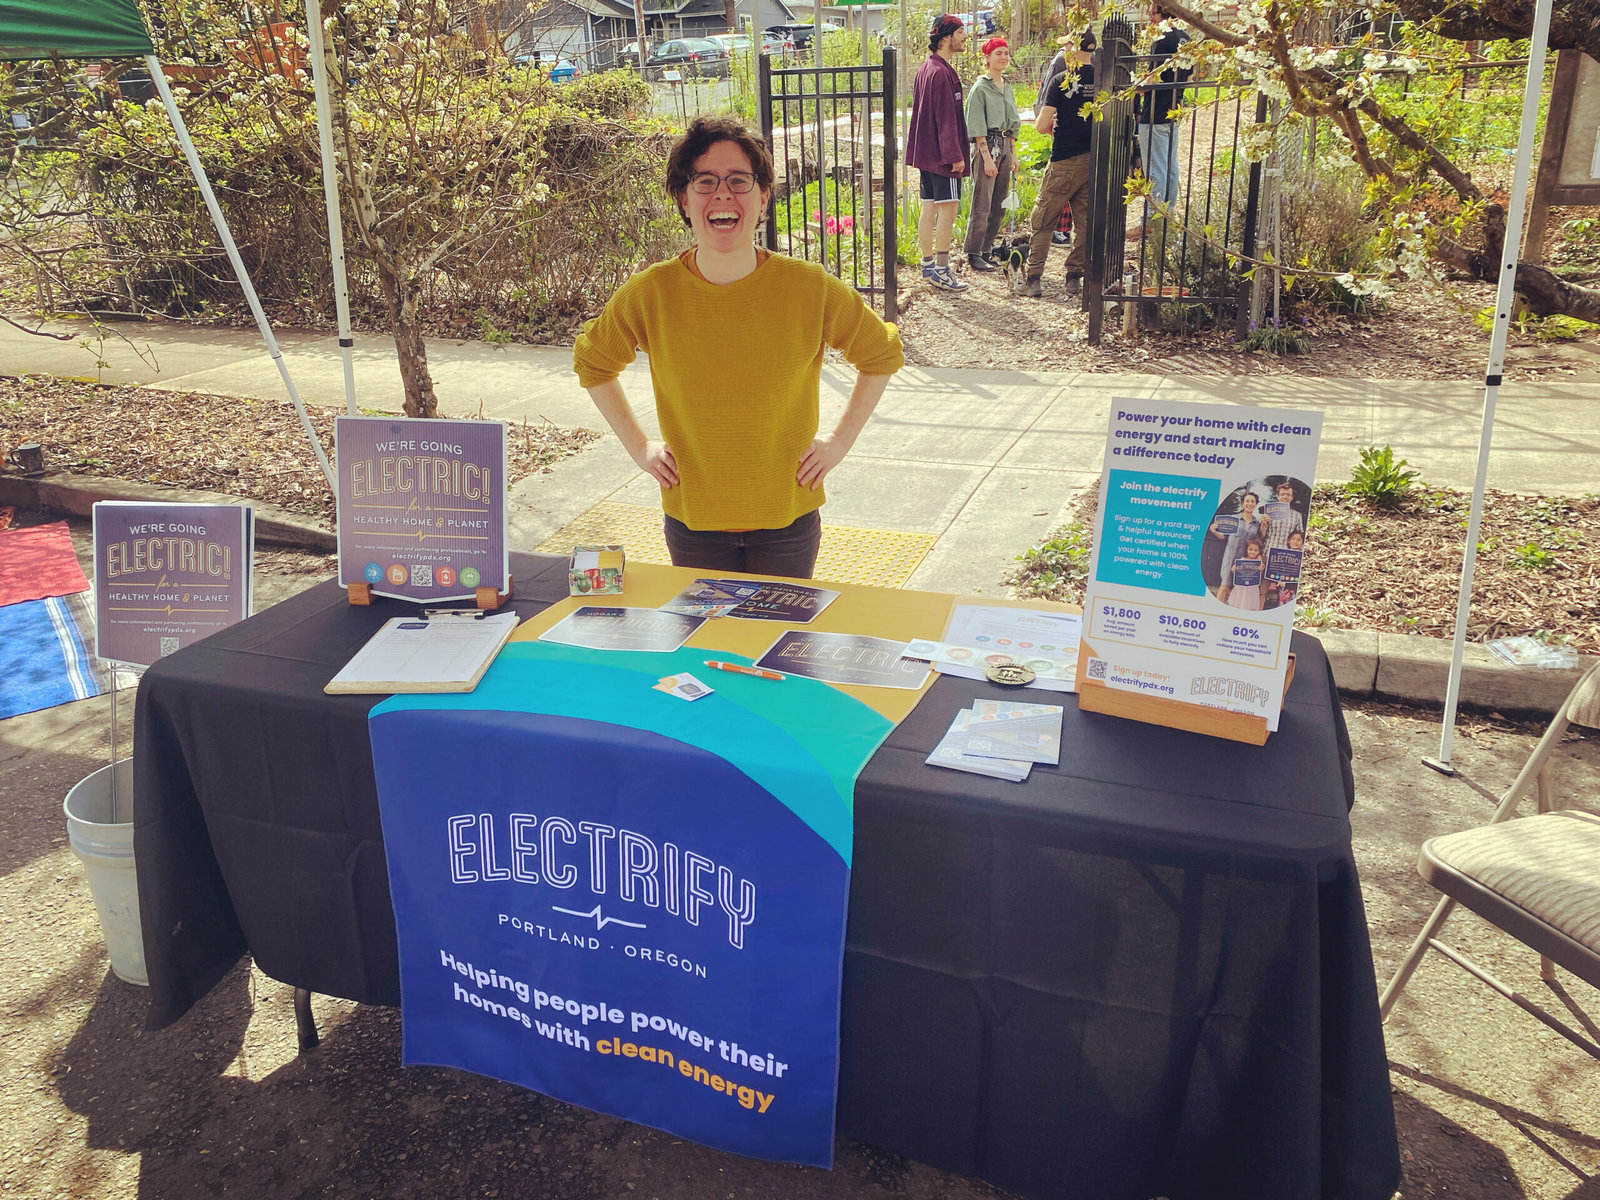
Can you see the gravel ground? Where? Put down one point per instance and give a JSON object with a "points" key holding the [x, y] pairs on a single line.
{"points": [[1490, 1105]]}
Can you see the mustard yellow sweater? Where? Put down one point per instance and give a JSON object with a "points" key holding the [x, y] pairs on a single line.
{"points": [[736, 369]]}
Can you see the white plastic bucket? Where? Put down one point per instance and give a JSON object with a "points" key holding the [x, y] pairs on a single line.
{"points": [[106, 848]]}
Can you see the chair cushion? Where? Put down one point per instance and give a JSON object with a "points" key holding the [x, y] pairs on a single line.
{"points": [[1548, 865], [1583, 706]]}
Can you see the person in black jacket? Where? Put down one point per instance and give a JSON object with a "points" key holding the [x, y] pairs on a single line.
{"points": [[1158, 144], [1066, 179]]}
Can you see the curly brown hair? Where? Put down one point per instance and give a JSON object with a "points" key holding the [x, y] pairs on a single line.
{"points": [[704, 133]]}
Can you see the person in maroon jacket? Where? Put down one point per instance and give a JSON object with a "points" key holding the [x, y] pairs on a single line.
{"points": [[936, 144]]}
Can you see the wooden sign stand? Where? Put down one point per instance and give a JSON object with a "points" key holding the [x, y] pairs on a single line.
{"points": [[1094, 696], [487, 597]]}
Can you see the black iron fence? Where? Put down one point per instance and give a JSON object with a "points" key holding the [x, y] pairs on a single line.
{"points": [[1178, 264], [832, 136]]}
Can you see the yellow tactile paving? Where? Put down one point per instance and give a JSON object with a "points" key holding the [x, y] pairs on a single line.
{"points": [[866, 556]]}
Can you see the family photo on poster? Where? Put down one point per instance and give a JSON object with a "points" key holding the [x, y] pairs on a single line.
{"points": [[1251, 560]]}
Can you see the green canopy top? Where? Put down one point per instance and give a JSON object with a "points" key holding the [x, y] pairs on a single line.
{"points": [[72, 29]]}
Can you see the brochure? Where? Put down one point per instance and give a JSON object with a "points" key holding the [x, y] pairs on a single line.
{"points": [[166, 575], [1182, 600], [646, 629], [422, 506], [712, 597], [793, 603], [1031, 734], [945, 753], [844, 658]]}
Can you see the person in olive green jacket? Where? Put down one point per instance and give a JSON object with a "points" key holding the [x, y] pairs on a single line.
{"points": [[992, 124]]}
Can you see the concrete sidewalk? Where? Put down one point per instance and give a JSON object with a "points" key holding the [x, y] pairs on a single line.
{"points": [[986, 462]]}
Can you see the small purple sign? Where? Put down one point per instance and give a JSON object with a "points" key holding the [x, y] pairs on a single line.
{"points": [[1283, 563], [422, 506], [166, 575], [1247, 572]]}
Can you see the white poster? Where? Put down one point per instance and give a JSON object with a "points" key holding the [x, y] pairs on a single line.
{"points": [[1197, 552]]}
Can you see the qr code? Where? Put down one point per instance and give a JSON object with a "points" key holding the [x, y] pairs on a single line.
{"points": [[169, 645], [422, 576], [1097, 668]]}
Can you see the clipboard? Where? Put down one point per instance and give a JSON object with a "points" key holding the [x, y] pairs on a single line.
{"points": [[439, 651]]}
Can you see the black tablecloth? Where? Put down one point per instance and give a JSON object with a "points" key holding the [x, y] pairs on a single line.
{"points": [[1144, 973]]}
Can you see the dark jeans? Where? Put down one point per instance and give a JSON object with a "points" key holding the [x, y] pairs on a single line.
{"points": [[790, 551]]}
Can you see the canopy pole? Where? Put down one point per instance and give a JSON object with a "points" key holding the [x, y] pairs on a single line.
{"points": [[321, 65], [159, 78], [1510, 253]]}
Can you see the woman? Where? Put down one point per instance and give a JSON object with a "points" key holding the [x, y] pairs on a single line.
{"points": [[992, 124], [1250, 527], [735, 337]]}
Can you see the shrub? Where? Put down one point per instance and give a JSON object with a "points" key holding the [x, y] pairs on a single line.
{"points": [[572, 199], [1554, 328], [1276, 339], [1380, 479]]}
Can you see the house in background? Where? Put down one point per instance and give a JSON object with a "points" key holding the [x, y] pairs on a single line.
{"points": [[598, 34]]}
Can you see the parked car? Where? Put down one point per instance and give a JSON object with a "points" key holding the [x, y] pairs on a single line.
{"points": [[560, 70], [980, 23], [800, 33], [698, 54], [739, 43]]}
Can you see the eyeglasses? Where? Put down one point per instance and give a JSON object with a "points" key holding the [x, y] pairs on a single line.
{"points": [[707, 182]]}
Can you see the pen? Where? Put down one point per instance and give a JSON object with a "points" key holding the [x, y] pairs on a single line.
{"points": [[739, 669]]}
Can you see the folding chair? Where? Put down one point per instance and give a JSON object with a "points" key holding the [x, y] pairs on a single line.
{"points": [[1535, 877]]}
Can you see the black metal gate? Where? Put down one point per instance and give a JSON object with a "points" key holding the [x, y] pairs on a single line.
{"points": [[1181, 263], [832, 135]]}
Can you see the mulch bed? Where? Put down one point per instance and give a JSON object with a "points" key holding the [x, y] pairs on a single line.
{"points": [[1399, 569], [252, 448], [1538, 567]]}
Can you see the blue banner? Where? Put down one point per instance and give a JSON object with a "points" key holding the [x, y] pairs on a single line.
{"points": [[626, 900]]}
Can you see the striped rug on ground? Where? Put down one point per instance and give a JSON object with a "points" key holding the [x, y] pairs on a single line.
{"points": [[47, 654]]}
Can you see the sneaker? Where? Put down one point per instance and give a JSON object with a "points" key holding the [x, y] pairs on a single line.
{"points": [[980, 262], [1074, 285], [944, 279], [1032, 287], [1059, 239]]}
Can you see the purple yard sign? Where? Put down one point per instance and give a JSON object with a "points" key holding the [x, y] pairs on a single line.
{"points": [[166, 575], [422, 512]]}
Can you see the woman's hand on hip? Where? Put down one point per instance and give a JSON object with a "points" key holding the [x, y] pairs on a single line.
{"points": [[655, 459], [824, 454]]}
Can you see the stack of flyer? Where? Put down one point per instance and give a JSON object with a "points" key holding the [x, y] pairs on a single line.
{"points": [[1001, 739]]}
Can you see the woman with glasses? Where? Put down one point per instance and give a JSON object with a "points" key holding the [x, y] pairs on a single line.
{"points": [[735, 337]]}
